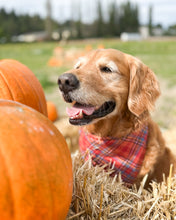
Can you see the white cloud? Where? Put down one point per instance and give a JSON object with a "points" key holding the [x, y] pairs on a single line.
{"points": [[164, 11]]}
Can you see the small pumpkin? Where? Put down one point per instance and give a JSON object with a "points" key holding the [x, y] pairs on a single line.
{"points": [[35, 166], [52, 111], [18, 83], [54, 61]]}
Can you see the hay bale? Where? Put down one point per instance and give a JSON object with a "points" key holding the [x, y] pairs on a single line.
{"points": [[98, 196], [69, 132]]}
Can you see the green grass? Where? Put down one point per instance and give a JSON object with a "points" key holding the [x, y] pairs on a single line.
{"points": [[35, 56], [159, 56]]}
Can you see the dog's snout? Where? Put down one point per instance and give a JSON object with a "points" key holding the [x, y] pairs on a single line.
{"points": [[68, 82]]}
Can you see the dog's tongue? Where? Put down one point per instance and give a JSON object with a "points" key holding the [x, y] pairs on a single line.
{"points": [[78, 108]]}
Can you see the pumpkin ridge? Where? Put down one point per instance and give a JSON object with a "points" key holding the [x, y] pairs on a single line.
{"points": [[9, 185], [20, 84], [44, 168], [5, 81], [21, 88], [60, 152], [65, 156], [64, 151], [41, 173], [47, 181], [20, 73], [13, 76], [37, 159], [35, 87]]}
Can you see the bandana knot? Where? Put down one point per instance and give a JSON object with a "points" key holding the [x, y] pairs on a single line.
{"points": [[125, 155]]}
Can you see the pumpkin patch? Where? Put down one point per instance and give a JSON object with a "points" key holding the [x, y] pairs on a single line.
{"points": [[35, 166], [18, 83]]}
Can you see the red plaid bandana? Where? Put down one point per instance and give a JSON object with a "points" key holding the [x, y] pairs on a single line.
{"points": [[124, 155]]}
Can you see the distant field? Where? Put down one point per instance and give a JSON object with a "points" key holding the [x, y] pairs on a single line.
{"points": [[158, 55]]}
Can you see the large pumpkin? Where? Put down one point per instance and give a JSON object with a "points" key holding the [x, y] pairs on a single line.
{"points": [[35, 166], [52, 111], [18, 83]]}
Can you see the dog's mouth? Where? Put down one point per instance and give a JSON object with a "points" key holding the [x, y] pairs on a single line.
{"points": [[82, 114]]}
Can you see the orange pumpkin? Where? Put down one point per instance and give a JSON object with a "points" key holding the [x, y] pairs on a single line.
{"points": [[52, 111], [35, 166], [53, 61], [18, 83]]}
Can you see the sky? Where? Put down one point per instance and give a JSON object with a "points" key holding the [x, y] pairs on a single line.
{"points": [[164, 11]]}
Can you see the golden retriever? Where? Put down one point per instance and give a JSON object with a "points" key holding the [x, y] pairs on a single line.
{"points": [[112, 94]]}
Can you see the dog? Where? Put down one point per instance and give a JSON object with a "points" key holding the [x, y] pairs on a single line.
{"points": [[112, 95]]}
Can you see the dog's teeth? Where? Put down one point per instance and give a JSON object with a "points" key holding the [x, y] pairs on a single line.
{"points": [[97, 107], [73, 103], [80, 115]]}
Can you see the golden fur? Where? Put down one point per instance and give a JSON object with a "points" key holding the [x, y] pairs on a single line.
{"points": [[134, 88]]}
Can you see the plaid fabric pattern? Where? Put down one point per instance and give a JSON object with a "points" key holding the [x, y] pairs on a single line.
{"points": [[124, 155]]}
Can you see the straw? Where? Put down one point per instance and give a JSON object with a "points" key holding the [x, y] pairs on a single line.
{"points": [[97, 195]]}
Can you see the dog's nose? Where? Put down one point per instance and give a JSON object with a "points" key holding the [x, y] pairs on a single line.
{"points": [[68, 82]]}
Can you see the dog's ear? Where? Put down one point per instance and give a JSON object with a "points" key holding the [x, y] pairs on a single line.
{"points": [[143, 88]]}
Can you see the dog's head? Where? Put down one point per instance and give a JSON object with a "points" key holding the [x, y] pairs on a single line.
{"points": [[108, 82]]}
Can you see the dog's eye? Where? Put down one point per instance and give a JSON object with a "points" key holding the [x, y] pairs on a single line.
{"points": [[106, 69], [76, 66]]}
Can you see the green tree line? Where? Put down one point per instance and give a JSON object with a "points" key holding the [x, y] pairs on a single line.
{"points": [[12, 24], [120, 18]]}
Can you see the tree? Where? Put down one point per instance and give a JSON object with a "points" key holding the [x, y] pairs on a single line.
{"points": [[112, 19], [13, 24], [79, 24], [48, 22], [129, 18], [150, 23], [100, 22]]}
